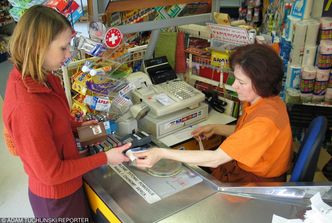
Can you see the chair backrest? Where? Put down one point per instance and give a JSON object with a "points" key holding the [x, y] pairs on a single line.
{"points": [[306, 162]]}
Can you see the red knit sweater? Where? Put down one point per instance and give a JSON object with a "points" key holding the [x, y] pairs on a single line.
{"points": [[39, 122]]}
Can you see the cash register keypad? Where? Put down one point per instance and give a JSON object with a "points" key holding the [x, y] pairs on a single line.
{"points": [[179, 89]]}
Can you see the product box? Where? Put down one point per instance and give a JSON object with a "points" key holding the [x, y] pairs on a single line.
{"points": [[92, 134], [220, 59], [70, 9]]}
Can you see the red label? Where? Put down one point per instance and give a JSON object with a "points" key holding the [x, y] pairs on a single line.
{"points": [[113, 38]]}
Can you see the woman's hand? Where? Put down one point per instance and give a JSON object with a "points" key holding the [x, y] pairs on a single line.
{"points": [[90, 122], [203, 132], [116, 156], [148, 158]]}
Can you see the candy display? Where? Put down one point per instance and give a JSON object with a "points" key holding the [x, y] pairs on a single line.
{"points": [[20, 6]]}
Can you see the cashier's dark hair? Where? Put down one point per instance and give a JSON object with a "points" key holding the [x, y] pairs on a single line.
{"points": [[262, 65], [31, 39]]}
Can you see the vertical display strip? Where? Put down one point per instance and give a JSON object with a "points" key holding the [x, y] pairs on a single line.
{"points": [[139, 186]]}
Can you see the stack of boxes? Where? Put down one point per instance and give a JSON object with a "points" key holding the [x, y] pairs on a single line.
{"points": [[309, 65]]}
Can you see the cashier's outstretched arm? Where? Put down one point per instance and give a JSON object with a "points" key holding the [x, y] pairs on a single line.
{"points": [[208, 158]]}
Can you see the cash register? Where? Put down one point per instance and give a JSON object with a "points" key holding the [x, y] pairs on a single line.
{"points": [[173, 103]]}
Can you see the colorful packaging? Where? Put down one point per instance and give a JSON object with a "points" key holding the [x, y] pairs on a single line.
{"points": [[70, 9], [102, 104], [293, 76], [80, 107], [220, 59], [326, 28], [307, 81], [91, 47], [79, 83], [324, 58], [320, 87]]}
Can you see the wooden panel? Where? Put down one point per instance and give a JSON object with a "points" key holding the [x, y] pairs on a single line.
{"points": [[120, 6], [90, 10]]}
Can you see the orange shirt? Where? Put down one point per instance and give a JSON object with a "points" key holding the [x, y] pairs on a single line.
{"points": [[262, 141]]}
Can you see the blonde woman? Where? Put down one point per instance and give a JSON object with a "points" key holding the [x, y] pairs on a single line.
{"points": [[37, 117]]}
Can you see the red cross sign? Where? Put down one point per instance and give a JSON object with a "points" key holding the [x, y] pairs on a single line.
{"points": [[113, 37]]}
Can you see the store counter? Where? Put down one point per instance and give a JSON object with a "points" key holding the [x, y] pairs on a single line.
{"points": [[125, 194]]}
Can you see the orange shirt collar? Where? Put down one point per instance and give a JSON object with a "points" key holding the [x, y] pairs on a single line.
{"points": [[247, 108]]}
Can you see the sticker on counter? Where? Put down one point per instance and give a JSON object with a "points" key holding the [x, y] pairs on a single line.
{"points": [[139, 186]]}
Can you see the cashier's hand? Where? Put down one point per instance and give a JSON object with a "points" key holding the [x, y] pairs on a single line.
{"points": [[115, 155], [148, 158], [203, 132]]}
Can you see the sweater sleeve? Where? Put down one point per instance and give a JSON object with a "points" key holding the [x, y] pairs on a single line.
{"points": [[35, 139], [75, 124]]}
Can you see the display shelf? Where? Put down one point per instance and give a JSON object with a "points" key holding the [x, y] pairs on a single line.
{"points": [[195, 30], [67, 72], [124, 5], [5, 18], [7, 22], [196, 77], [132, 55], [5, 8], [212, 82], [153, 26]]}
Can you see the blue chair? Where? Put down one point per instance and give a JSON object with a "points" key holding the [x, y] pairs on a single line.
{"points": [[305, 165]]}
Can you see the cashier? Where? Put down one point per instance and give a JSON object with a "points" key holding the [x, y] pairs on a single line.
{"points": [[258, 147]]}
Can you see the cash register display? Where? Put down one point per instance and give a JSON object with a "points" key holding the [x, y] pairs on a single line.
{"points": [[168, 94], [159, 70]]}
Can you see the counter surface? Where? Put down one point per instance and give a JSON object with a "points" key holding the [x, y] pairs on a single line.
{"points": [[207, 201]]}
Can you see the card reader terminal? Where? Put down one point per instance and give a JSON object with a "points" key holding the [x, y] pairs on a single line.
{"points": [[140, 138], [131, 151]]}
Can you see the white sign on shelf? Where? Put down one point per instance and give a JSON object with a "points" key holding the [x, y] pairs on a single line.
{"points": [[229, 34]]}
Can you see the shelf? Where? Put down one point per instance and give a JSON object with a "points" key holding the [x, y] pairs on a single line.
{"points": [[4, 9], [212, 82], [120, 6], [6, 22], [205, 80], [194, 30], [227, 70]]}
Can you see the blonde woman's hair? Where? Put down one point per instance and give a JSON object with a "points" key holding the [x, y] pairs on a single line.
{"points": [[31, 39]]}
